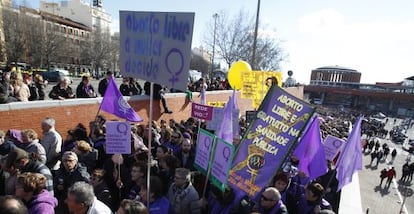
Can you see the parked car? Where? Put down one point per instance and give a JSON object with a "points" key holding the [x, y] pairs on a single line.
{"points": [[53, 76]]}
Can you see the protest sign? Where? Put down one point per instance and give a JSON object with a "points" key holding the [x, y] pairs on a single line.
{"points": [[269, 140], [250, 116], [219, 104], [218, 115], [332, 145], [205, 143], [201, 112], [223, 154], [118, 137], [156, 46]]}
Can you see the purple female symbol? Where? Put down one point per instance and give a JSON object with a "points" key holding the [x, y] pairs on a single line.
{"points": [[174, 77]]}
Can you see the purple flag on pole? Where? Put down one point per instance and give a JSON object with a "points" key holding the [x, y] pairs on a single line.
{"points": [[350, 159], [310, 151], [226, 129], [114, 103], [203, 100]]}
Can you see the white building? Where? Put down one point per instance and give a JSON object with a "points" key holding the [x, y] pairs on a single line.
{"points": [[79, 11]]}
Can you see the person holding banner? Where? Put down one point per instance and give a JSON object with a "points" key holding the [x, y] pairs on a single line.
{"points": [[312, 201], [270, 202], [183, 196]]}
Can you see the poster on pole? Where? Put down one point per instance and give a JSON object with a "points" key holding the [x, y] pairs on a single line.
{"points": [[205, 143], [201, 112], [332, 146], [118, 137], [156, 46], [223, 155]]}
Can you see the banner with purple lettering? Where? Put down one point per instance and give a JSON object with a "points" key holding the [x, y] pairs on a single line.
{"points": [[279, 122], [156, 46]]}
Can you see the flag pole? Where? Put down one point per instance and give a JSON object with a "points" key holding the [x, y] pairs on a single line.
{"points": [[209, 166], [149, 143]]}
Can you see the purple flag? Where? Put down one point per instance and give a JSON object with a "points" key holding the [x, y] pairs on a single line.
{"points": [[226, 129], [310, 151], [114, 103], [203, 100], [350, 159]]}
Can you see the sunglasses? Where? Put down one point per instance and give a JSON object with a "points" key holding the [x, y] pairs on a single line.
{"points": [[266, 199]]}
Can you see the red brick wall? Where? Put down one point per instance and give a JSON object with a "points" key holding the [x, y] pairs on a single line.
{"points": [[69, 113]]}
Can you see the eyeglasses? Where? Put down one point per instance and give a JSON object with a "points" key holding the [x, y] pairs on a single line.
{"points": [[266, 199]]}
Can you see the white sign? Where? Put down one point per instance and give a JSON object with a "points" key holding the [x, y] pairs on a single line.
{"points": [[205, 142], [223, 155], [118, 137], [332, 145], [156, 46], [218, 115]]}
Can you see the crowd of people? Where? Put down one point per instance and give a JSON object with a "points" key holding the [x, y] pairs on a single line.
{"points": [[75, 175], [22, 87]]}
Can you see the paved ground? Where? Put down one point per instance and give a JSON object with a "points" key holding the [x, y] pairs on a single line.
{"points": [[380, 199]]}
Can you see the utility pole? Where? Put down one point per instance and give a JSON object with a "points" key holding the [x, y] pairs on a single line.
{"points": [[255, 36], [215, 16]]}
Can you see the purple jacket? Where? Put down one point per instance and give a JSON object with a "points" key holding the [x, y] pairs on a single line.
{"points": [[44, 203]]}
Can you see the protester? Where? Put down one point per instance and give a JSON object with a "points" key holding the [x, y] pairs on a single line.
{"points": [[129, 206], [30, 188], [270, 202], [30, 143], [52, 142], [182, 195], [103, 84], [158, 203], [62, 90], [81, 200], [11, 205], [100, 188], [391, 173], [85, 88]]}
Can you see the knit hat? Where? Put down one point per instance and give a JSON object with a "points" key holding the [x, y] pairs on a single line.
{"points": [[187, 135], [15, 155]]}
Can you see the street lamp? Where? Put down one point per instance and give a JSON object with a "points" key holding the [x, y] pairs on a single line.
{"points": [[215, 16], [255, 36]]}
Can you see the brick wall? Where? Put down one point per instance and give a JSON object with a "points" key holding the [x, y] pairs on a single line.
{"points": [[69, 113]]}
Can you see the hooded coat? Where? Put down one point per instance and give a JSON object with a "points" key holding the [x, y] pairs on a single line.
{"points": [[43, 203]]}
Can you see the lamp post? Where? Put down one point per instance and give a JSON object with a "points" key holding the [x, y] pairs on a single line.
{"points": [[255, 36], [215, 16]]}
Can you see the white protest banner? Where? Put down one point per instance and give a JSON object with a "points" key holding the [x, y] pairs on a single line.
{"points": [[218, 114], [223, 155], [156, 46], [332, 146], [205, 143], [118, 137]]}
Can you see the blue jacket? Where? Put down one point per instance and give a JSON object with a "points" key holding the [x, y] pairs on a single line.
{"points": [[161, 206]]}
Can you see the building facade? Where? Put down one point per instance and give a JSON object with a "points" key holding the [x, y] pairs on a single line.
{"points": [[340, 86], [93, 16]]}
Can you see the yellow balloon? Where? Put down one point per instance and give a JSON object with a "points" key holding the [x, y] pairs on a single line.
{"points": [[234, 76]]}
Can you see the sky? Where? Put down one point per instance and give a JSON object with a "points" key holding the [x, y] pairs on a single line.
{"points": [[374, 37]]}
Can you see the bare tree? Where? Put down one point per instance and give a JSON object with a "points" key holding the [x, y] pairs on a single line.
{"points": [[98, 50], [234, 41], [15, 41]]}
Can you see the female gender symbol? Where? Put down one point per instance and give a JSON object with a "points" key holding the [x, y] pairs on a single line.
{"points": [[174, 77]]}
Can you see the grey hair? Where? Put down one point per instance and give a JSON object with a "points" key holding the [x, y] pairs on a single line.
{"points": [[70, 154], [83, 193], [275, 193], [49, 121], [184, 173]]}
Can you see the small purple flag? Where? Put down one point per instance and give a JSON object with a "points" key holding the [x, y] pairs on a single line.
{"points": [[310, 151], [203, 100], [114, 103], [226, 129], [350, 159]]}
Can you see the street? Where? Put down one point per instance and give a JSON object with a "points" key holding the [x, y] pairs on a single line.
{"points": [[380, 199]]}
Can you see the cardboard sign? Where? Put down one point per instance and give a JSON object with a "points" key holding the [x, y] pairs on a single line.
{"points": [[156, 46], [118, 137]]}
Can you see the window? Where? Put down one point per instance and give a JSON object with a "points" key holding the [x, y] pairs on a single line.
{"points": [[76, 32], [56, 27], [63, 29], [48, 26], [70, 31]]}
